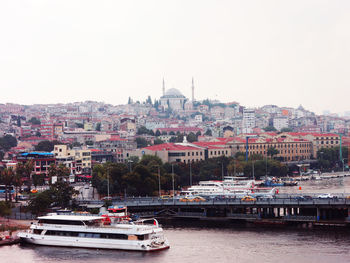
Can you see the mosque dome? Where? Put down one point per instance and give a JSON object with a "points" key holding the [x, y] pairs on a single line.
{"points": [[174, 93]]}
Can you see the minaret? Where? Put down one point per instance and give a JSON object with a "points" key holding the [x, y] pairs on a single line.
{"points": [[192, 90], [163, 87]]}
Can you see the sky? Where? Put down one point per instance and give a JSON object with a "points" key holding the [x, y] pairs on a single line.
{"points": [[286, 53]]}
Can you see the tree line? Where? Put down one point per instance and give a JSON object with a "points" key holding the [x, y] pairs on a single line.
{"points": [[143, 177]]}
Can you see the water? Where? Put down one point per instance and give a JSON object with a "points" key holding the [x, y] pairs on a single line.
{"points": [[200, 242], [197, 244], [335, 185]]}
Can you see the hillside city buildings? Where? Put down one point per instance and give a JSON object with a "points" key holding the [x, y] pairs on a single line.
{"points": [[90, 132]]}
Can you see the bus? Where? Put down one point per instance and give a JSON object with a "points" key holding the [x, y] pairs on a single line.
{"points": [[10, 190]]}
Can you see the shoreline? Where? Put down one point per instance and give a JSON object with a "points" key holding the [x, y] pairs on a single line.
{"points": [[13, 225]]}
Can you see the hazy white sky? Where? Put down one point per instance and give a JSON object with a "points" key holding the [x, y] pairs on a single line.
{"points": [[255, 52]]}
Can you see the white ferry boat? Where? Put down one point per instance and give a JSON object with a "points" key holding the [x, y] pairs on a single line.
{"points": [[230, 185], [90, 231]]}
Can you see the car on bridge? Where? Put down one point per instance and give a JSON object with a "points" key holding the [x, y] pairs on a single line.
{"points": [[326, 196], [165, 197], [303, 197], [193, 199], [248, 198], [198, 199]]}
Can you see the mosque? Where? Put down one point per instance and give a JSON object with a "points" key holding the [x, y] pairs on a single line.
{"points": [[174, 99]]}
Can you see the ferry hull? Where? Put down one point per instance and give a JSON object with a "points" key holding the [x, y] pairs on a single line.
{"points": [[92, 243]]}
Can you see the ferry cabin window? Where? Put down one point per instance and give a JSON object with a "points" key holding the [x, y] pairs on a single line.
{"points": [[60, 222], [86, 234], [37, 231], [143, 237]]}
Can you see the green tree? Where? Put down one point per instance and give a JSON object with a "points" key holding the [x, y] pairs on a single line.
{"points": [[5, 208], [7, 178], [269, 129], [59, 194], [208, 132], [26, 171], [7, 142], [60, 171], [149, 100], [18, 177], [41, 202], [158, 141], [38, 179], [141, 142], [46, 146], [62, 193], [141, 181], [272, 151], [34, 121], [328, 158], [148, 160], [286, 130], [89, 142], [157, 133], [144, 130], [191, 137], [98, 126], [132, 161], [179, 137]]}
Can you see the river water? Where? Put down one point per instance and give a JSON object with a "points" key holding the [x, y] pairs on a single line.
{"points": [[200, 242]]}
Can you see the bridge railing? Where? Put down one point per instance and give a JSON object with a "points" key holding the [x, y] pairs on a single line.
{"points": [[299, 218], [243, 216]]}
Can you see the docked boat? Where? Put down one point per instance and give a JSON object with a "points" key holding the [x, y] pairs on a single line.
{"points": [[89, 231], [229, 185], [273, 182]]}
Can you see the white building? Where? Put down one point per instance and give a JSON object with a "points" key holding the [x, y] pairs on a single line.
{"points": [[280, 123], [248, 122]]}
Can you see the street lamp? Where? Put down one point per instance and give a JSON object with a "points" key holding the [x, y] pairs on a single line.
{"points": [[107, 184], [266, 167], [172, 174], [234, 166], [321, 159], [222, 171], [343, 164], [190, 174], [159, 180], [130, 164]]}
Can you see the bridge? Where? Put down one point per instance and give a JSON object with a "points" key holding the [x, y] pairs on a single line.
{"points": [[285, 209]]}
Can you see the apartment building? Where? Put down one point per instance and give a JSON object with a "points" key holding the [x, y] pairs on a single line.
{"points": [[76, 159]]}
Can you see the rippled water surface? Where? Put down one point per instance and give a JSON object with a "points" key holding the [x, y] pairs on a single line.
{"points": [[197, 244]]}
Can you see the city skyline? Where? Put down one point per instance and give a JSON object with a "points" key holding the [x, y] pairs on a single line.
{"points": [[282, 53]]}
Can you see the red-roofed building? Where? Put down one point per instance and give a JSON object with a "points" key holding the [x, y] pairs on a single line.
{"points": [[187, 152], [289, 148], [318, 140]]}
